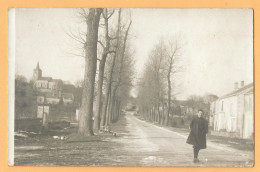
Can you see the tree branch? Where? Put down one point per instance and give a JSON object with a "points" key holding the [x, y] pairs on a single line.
{"points": [[111, 14], [103, 46]]}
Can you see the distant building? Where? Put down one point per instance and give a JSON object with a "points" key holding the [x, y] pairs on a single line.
{"points": [[52, 91], [54, 97], [233, 113]]}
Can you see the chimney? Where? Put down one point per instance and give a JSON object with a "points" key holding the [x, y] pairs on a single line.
{"points": [[242, 84], [236, 85]]}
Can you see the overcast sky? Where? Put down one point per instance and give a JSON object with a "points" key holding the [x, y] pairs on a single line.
{"points": [[217, 44]]}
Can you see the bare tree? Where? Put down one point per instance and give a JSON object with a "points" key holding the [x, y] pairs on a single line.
{"points": [[152, 85], [118, 82], [86, 111], [109, 79], [172, 51], [106, 51], [158, 79]]}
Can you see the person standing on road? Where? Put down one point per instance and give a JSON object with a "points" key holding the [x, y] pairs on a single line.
{"points": [[197, 136]]}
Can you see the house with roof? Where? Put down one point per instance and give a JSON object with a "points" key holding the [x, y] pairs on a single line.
{"points": [[52, 91], [233, 114], [54, 96], [45, 84]]}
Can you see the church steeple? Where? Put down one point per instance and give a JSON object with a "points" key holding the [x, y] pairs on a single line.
{"points": [[37, 72]]}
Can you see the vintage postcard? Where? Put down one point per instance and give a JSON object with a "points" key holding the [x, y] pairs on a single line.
{"points": [[131, 87]]}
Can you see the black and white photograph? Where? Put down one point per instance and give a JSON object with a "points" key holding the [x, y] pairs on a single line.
{"points": [[142, 87]]}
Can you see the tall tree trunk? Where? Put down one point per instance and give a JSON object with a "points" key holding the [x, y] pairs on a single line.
{"points": [[101, 71], [115, 87], [150, 110], [110, 108], [99, 94], [169, 97], [147, 113], [154, 115], [163, 114], [171, 63], [119, 110], [113, 105], [85, 123], [114, 110], [107, 109], [108, 90]]}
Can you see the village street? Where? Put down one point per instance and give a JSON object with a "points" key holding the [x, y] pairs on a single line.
{"points": [[133, 94], [138, 143], [162, 147]]}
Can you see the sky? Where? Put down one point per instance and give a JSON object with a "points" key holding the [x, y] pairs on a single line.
{"points": [[217, 44]]}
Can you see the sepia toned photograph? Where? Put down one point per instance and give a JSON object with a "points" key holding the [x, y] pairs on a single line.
{"points": [[143, 87]]}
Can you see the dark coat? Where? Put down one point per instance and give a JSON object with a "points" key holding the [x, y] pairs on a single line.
{"points": [[198, 130]]}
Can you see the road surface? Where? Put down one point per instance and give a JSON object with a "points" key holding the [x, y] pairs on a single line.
{"points": [[138, 143], [145, 144]]}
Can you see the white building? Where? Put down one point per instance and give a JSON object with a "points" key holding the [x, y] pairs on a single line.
{"points": [[233, 113]]}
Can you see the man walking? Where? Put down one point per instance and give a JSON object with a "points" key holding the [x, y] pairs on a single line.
{"points": [[197, 136]]}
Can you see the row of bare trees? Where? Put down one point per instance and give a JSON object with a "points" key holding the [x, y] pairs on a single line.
{"points": [[160, 77], [108, 68]]}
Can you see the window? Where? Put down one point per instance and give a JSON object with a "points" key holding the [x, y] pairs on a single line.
{"points": [[222, 106]]}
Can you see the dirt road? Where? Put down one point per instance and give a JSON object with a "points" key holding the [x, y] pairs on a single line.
{"points": [[138, 143], [157, 146]]}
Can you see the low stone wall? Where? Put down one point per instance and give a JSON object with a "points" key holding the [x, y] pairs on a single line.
{"points": [[59, 125], [29, 124], [35, 125]]}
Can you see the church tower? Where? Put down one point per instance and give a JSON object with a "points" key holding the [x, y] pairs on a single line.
{"points": [[37, 72]]}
